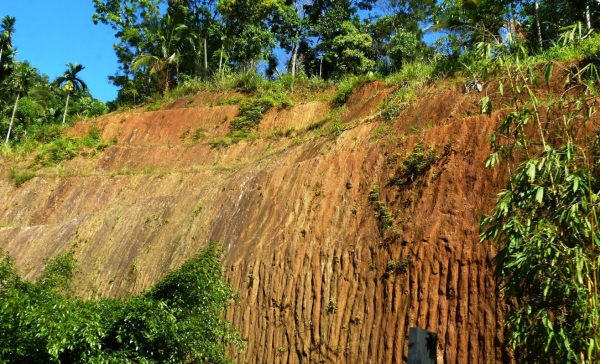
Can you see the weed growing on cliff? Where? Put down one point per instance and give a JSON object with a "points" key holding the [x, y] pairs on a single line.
{"points": [[345, 89], [179, 320], [332, 306], [66, 148], [234, 100], [250, 115], [398, 266], [383, 214], [414, 165], [19, 176], [193, 137], [382, 131]]}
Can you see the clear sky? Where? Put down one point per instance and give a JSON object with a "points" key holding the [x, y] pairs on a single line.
{"points": [[51, 33]]}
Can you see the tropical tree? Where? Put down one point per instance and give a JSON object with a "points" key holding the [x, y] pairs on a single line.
{"points": [[348, 51], [19, 83], [247, 29], [7, 28], [71, 82], [165, 51]]}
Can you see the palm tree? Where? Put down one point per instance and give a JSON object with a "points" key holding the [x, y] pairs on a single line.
{"points": [[71, 82], [19, 82], [166, 45], [7, 27]]}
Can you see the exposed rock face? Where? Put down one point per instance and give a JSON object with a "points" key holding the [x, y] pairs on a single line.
{"points": [[306, 250]]}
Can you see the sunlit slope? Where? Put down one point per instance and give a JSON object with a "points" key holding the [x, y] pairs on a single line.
{"points": [[322, 276]]}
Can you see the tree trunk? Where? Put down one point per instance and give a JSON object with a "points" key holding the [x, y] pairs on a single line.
{"points": [[221, 59], [66, 106], [12, 118], [294, 56], [537, 22], [1, 54], [205, 59], [588, 18], [321, 68]]}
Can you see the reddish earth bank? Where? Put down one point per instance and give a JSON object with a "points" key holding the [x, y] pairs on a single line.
{"points": [[305, 248]]}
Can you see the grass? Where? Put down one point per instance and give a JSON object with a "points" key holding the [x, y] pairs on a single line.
{"points": [[66, 148], [346, 87], [20, 176]]}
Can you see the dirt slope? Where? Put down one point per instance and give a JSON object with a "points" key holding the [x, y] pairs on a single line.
{"points": [[305, 247]]}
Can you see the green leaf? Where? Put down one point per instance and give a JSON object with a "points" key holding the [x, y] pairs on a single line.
{"points": [[548, 72], [531, 172], [486, 106], [539, 196]]}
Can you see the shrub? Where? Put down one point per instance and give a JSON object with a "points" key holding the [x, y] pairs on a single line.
{"points": [[247, 82], [345, 89], [67, 148], [415, 164], [20, 176], [179, 320], [251, 113]]}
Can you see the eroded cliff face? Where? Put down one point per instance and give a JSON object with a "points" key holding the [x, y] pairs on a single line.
{"points": [[305, 248]]}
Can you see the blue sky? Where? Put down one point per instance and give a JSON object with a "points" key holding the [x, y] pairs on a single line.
{"points": [[51, 33]]}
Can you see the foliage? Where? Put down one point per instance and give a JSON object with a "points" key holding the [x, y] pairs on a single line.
{"points": [[415, 164], [20, 176], [250, 114], [176, 321], [66, 148], [345, 89], [385, 217], [545, 222], [348, 51]]}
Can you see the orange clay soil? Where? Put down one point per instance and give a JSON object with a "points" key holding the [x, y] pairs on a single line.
{"points": [[305, 248]]}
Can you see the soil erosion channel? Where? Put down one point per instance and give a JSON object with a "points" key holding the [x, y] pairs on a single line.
{"points": [[334, 252]]}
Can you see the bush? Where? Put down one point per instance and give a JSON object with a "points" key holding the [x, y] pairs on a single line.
{"points": [[67, 148], [415, 164], [20, 176], [251, 113], [247, 82], [345, 89], [179, 320]]}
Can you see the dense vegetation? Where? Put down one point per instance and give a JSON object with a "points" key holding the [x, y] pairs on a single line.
{"points": [[545, 224], [178, 320], [31, 106], [164, 43]]}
